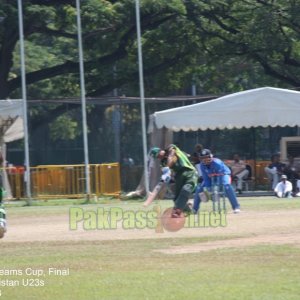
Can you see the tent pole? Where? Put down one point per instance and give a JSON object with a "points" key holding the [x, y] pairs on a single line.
{"points": [[141, 79], [83, 106], [24, 97]]}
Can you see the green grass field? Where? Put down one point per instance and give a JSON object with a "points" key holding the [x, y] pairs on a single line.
{"points": [[135, 268]]}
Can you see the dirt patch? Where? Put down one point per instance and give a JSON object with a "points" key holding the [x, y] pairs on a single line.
{"points": [[276, 227]]}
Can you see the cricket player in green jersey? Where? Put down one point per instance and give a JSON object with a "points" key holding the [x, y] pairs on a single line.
{"points": [[185, 175]]}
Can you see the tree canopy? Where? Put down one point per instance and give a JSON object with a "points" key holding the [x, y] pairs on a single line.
{"points": [[182, 41], [220, 46]]}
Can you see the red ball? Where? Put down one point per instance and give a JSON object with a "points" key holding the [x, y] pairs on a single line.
{"points": [[172, 224]]}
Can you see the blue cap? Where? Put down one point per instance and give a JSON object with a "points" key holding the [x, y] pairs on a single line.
{"points": [[205, 153]]}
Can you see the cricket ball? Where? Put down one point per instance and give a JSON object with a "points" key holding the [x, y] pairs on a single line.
{"points": [[172, 224]]}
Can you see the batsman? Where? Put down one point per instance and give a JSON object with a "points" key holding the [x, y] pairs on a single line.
{"points": [[185, 176]]}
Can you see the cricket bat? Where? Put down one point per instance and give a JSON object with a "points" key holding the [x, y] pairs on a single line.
{"points": [[152, 195]]}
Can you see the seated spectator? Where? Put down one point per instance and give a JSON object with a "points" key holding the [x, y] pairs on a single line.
{"points": [[292, 171], [274, 170], [297, 192], [239, 172], [284, 188]]}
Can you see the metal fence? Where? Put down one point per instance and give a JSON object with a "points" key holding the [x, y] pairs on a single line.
{"points": [[66, 181]]}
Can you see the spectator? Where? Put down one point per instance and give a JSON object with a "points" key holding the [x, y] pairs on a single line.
{"points": [[291, 170], [274, 170], [238, 172], [297, 188], [284, 188]]}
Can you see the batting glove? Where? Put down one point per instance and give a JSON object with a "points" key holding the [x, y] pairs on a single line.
{"points": [[166, 174]]}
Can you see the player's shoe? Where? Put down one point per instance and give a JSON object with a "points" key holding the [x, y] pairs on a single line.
{"points": [[236, 211]]}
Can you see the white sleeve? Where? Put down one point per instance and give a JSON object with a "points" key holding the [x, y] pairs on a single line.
{"points": [[288, 187], [277, 187]]}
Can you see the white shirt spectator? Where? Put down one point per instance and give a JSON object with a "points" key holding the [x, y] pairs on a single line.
{"points": [[284, 188], [238, 171]]}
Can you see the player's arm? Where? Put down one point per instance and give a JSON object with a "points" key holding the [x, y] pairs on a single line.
{"points": [[223, 169], [206, 179], [172, 157]]}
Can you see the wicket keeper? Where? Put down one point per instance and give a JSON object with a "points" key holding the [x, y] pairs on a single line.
{"points": [[211, 166]]}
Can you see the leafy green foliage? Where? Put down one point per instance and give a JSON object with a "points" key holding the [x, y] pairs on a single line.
{"points": [[220, 46], [181, 40], [64, 128]]}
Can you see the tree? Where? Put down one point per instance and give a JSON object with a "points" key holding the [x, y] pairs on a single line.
{"points": [[109, 33], [220, 45], [264, 33], [109, 37], [180, 39]]}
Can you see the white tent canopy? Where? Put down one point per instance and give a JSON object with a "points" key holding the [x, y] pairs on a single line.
{"points": [[9, 108], [15, 131], [11, 125], [264, 107], [11, 129]]}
